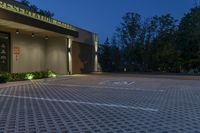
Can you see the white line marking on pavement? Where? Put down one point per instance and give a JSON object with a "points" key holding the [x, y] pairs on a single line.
{"points": [[119, 82], [19, 83], [86, 103], [131, 83], [116, 88]]}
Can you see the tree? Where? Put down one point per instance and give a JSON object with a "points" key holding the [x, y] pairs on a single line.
{"points": [[129, 28], [105, 56], [34, 8], [25, 2], [46, 13], [115, 56], [128, 33], [188, 43], [156, 44], [162, 43], [149, 45]]}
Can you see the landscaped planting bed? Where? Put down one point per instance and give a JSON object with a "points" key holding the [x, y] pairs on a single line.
{"points": [[7, 77]]}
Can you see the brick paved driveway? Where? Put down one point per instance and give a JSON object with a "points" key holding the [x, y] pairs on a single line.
{"points": [[102, 103]]}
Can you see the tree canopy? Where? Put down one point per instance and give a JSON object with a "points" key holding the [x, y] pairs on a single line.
{"points": [[34, 8], [156, 44]]}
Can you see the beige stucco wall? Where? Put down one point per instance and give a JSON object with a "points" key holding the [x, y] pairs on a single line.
{"points": [[82, 58], [56, 55], [38, 54], [32, 53], [83, 50], [85, 37]]}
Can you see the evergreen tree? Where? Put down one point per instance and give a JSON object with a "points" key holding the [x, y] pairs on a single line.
{"points": [[105, 56]]}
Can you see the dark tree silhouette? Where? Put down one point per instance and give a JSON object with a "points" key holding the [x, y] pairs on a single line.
{"points": [[34, 8], [157, 44]]}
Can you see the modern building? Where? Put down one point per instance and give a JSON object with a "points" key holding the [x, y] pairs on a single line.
{"points": [[32, 42]]}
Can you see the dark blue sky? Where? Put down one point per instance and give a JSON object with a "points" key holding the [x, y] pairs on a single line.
{"points": [[102, 16]]}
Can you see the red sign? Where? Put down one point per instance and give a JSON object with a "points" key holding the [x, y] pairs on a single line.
{"points": [[16, 50]]}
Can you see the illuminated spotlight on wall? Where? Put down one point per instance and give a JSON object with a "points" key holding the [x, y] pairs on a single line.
{"points": [[17, 32], [32, 35], [95, 38], [69, 50]]}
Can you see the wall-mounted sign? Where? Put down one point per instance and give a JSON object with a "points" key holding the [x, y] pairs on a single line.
{"points": [[37, 16], [4, 52], [16, 50]]}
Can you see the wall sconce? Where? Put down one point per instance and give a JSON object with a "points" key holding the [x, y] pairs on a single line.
{"points": [[17, 32], [68, 50], [46, 37], [32, 35]]}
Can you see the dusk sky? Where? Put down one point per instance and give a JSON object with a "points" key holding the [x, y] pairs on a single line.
{"points": [[103, 16]]}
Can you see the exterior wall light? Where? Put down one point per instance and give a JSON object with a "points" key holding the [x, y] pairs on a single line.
{"points": [[69, 53], [96, 64], [33, 35], [68, 50], [17, 32], [46, 37]]}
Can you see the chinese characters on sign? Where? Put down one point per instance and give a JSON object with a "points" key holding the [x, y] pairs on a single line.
{"points": [[16, 52], [13, 8], [3, 53]]}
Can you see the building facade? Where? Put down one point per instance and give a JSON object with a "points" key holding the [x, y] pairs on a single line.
{"points": [[32, 42]]}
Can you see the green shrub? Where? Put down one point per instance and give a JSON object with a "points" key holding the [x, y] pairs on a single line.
{"points": [[29, 76], [51, 74], [8, 75], [44, 74], [18, 76], [37, 75], [26, 76], [4, 78]]}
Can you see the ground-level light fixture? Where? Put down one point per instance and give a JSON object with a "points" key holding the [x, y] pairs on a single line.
{"points": [[17, 32], [29, 76]]}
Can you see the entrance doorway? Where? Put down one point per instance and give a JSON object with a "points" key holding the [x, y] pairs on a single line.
{"points": [[4, 52]]}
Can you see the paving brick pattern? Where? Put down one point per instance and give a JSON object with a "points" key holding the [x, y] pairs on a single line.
{"points": [[80, 104]]}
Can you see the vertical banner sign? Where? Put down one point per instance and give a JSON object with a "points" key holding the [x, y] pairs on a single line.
{"points": [[4, 52], [16, 52]]}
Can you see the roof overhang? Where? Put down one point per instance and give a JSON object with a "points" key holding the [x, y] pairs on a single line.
{"points": [[18, 15]]}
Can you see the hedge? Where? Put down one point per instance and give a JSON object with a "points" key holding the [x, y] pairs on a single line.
{"points": [[6, 77]]}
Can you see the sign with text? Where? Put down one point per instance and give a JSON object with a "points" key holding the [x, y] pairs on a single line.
{"points": [[16, 50], [34, 15], [4, 52]]}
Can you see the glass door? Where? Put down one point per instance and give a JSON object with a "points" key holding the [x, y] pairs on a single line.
{"points": [[4, 52]]}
